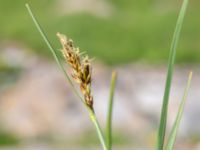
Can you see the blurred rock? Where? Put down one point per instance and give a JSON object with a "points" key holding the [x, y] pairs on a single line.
{"points": [[42, 102]]}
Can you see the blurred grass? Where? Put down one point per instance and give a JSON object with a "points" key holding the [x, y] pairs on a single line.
{"points": [[8, 139], [136, 30]]}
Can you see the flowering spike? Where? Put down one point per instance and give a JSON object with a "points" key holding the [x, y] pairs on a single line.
{"points": [[81, 67]]}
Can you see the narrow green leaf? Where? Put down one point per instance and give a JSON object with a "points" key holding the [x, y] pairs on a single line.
{"points": [[163, 120], [110, 110], [173, 133], [53, 51]]}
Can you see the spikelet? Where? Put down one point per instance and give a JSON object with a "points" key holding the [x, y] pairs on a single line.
{"points": [[81, 67]]}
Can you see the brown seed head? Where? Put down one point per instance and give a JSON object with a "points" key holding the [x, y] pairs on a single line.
{"points": [[81, 67]]}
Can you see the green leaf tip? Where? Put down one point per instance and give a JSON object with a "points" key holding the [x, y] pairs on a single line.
{"points": [[172, 55], [173, 133], [27, 5]]}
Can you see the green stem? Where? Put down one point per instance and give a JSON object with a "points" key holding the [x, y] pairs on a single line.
{"points": [[98, 128], [110, 110]]}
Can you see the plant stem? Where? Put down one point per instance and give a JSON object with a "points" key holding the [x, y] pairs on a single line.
{"points": [[98, 128], [110, 110]]}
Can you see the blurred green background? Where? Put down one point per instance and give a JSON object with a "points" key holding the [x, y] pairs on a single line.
{"points": [[114, 32], [131, 31]]}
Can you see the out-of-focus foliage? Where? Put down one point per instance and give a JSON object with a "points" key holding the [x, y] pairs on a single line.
{"points": [[135, 30], [8, 139]]}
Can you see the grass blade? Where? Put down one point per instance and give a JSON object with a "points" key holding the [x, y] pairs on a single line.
{"points": [[110, 110], [53, 51], [173, 133], [163, 120]]}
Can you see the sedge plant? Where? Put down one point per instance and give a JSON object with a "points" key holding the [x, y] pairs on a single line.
{"points": [[81, 74], [164, 111]]}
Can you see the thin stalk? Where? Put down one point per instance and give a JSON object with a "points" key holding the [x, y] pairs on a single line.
{"points": [[163, 120], [173, 133], [53, 51], [110, 110], [59, 63], [94, 120]]}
